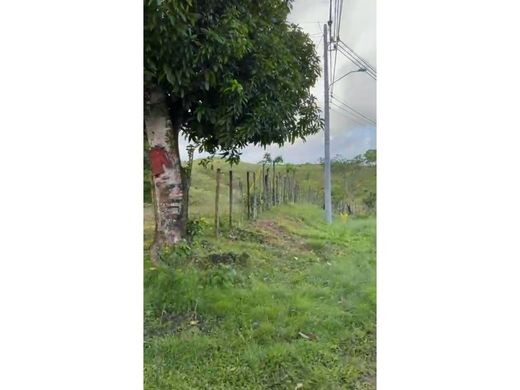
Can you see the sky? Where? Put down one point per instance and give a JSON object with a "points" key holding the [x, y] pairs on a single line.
{"points": [[348, 137]]}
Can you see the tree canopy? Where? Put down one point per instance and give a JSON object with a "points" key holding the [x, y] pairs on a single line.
{"points": [[371, 156], [235, 72], [278, 160], [267, 158]]}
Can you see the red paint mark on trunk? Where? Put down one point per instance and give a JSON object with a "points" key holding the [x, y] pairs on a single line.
{"points": [[158, 160]]}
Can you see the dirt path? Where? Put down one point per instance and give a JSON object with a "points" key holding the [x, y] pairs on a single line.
{"points": [[276, 234]]}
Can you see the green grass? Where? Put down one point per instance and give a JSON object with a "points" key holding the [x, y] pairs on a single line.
{"points": [[229, 313]]}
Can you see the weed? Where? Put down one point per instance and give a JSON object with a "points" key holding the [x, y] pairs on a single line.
{"points": [[195, 227]]}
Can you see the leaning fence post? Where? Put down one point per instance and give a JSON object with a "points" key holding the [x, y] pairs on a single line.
{"points": [[217, 191]]}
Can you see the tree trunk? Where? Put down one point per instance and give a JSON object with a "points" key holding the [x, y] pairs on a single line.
{"points": [[169, 183]]}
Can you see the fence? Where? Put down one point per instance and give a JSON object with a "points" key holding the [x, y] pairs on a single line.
{"points": [[251, 193]]}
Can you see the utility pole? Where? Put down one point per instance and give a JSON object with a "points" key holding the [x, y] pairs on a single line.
{"points": [[327, 184]]}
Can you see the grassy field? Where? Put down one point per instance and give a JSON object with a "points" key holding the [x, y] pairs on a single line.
{"points": [[283, 302]]}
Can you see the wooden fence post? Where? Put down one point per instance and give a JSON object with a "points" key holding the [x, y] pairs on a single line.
{"points": [[283, 188], [279, 190], [290, 196], [254, 195], [217, 191], [275, 178], [263, 187], [293, 187], [268, 189], [248, 196], [230, 199], [241, 196], [274, 185]]}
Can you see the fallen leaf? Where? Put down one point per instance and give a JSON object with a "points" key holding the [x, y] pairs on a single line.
{"points": [[304, 336], [298, 386], [308, 336], [194, 322]]}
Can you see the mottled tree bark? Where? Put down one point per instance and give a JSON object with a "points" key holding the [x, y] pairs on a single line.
{"points": [[169, 183]]}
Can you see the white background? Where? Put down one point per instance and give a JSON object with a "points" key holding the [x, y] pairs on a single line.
{"points": [[71, 195]]}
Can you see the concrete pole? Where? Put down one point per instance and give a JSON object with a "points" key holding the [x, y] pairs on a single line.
{"points": [[327, 183]]}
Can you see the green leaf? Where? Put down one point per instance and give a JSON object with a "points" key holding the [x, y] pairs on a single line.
{"points": [[169, 74]]}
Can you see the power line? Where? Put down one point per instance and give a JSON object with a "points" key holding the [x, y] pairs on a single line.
{"points": [[339, 19], [334, 72], [331, 75], [359, 123], [330, 11], [358, 57], [357, 62], [338, 9], [352, 57], [335, 16], [335, 35], [348, 111], [350, 116], [353, 109]]}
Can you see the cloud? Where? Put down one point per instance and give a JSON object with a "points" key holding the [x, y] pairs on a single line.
{"points": [[349, 137]]}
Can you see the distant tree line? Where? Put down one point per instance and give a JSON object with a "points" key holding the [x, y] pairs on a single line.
{"points": [[347, 183], [367, 159]]}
